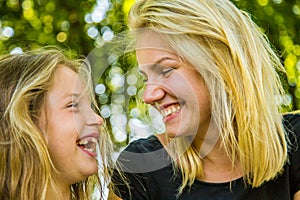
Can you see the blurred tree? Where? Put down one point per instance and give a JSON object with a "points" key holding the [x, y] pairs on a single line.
{"points": [[86, 26], [279, 20], [40, 23]]}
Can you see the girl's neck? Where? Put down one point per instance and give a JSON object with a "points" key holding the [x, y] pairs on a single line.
{"points": [[64, 193]]}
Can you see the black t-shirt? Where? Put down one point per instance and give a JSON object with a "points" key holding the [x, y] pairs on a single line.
{"points": [[149, 172]]}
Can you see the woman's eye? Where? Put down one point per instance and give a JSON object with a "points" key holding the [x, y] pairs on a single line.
{"points": [[166, 71], [145, 79]]}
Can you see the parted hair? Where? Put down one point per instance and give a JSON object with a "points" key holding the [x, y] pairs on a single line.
{"points": [[27, 171], [239, 67]]}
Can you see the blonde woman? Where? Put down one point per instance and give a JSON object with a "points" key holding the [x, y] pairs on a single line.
{"points": [[49, 131], [212, 75]]}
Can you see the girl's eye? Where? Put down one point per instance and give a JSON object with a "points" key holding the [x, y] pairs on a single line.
{"points": [[94, 107], [73, 105], [166, 71]]}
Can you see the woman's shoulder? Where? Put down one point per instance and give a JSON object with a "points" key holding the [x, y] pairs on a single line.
{"points": [[144, 145], [144, 155], [292, 117], [291, 123]]}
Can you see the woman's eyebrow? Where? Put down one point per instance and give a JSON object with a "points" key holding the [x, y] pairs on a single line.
{"points": [[155, 64]]}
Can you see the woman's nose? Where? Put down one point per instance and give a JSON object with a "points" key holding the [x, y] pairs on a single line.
{"points": [[153, 92]]}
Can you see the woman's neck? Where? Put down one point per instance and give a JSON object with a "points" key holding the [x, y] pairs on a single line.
{"points": [[219, 167]]}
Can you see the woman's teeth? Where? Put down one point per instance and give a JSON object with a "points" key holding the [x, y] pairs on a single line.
{"points": [[170, 110], [88, 144]]}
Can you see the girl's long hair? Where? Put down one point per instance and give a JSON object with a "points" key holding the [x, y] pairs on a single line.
{"points": [[27, 171]]}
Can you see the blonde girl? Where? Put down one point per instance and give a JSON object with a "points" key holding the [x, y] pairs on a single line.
{"points": [[49, 129]]}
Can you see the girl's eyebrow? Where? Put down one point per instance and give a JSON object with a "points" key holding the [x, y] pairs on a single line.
{"points": [[73, 95]]}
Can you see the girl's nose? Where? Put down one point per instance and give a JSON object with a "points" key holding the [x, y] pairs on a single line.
{"points": [[94, 119], [152, 93], [99, 119]]}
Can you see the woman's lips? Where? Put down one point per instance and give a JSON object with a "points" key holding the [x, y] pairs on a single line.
{"points": [[170, 111]]}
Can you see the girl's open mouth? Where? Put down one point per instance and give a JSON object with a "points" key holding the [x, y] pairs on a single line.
{"points": [[88, 145]]}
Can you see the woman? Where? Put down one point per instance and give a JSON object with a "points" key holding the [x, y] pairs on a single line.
{"points": [[212, 75], [49, 131]]}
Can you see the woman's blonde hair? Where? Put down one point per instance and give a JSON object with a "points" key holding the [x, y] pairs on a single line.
{"points": [[27, 171], [239, 69]]}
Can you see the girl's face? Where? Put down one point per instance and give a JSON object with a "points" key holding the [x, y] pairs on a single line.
{"points": [[71, 127], [174, 87]]}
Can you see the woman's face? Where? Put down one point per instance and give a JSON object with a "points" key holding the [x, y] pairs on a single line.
{"points": [[174, 87], [71, 127]]}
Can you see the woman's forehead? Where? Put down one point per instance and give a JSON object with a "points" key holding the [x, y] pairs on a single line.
{"points": [[152, 40]]}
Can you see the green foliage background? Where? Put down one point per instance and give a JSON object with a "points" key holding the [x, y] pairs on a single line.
{"points": [[82, 25]]}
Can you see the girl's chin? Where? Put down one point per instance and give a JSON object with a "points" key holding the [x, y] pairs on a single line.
{"points": [[89, 171]]}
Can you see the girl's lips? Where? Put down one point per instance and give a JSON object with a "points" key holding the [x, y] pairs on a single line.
{"points": [[88, 145], [92, 154]]}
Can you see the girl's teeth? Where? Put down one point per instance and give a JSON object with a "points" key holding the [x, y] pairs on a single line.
{"points": [[89, 150], [83, 142], [87, 140], [88, 144]]}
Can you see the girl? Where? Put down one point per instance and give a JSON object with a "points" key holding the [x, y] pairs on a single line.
{"points": [[50, 131]]}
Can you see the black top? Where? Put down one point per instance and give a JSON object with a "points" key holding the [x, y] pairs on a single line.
{"points": [[150, 174]]}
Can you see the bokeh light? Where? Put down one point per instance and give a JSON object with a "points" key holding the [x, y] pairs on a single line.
{"points": [[8, 32], [85, 25]]}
